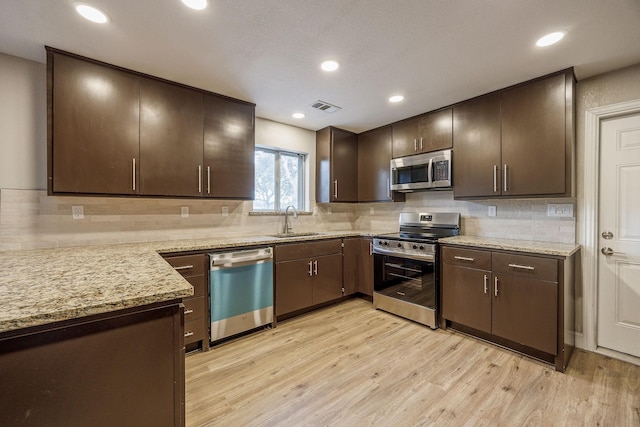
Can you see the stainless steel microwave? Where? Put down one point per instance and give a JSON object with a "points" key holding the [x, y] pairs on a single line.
{"points": [[422, 172]]}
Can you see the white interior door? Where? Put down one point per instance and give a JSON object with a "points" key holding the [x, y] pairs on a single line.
{"points": [[619, 236]]}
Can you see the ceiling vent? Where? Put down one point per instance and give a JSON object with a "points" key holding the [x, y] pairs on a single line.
{"points": [[325, 106]]}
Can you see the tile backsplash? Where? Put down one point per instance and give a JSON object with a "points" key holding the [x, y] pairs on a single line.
{"points": [[31, 219]]}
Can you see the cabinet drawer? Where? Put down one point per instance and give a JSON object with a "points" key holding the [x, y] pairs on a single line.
{"points": [[293, 251], [188, 265], [193, 331], [198, 283], [467, 258], [526, 266], [193, 308]]}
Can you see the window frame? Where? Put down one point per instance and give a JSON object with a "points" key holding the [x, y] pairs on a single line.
{"points": [[302, 160]]}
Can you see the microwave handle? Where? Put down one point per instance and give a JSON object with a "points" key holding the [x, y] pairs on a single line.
{"points": [[430, 172]]}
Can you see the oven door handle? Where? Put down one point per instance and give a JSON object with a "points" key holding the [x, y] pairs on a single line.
{"points": [[425, 257]]}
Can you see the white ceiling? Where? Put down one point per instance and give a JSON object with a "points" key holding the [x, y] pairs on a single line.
{"points": [[435, 52]]}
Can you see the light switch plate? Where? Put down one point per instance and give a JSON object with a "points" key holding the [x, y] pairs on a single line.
{"points": [[77, 212], [225, 211], [492, 211], [184, 211]]}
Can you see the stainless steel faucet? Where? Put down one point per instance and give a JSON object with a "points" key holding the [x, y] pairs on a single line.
{"points": [[287, 225]]}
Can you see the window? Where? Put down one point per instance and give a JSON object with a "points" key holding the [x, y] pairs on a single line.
{"points": [[279, 179]]}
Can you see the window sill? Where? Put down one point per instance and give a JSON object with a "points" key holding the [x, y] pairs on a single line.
{"points": [[276, 213]]}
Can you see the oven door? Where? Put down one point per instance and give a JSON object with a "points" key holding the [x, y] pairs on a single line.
{"points": [[407, 280]]}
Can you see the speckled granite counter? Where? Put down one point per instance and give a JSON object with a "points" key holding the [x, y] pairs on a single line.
{"points": [[50, 285], [543, 248]]}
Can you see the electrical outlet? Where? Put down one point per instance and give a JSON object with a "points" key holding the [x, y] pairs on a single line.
{"points": [[225, 211], [372, 211], [329, 210], [315, 210], [77, 212], [492, 211], [560, 210], [184, 212]]}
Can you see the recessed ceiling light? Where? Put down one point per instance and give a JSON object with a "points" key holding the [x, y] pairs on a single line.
{"points": [[195, 4], [91, 13], [330, 65], [549, 39], [396, 98], [298, 116]]}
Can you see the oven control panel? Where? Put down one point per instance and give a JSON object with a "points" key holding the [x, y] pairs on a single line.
{"points": [[402, 248]]}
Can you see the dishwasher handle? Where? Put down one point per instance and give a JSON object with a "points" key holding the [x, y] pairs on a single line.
{"points": [[220, 260]]}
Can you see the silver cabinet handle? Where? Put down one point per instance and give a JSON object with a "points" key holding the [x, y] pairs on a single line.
{"points": [[189, 311], [315, 267], [464, 258], [183, 267], [310, 268], [495, 178], [505, 177], [134, 174], [208, 179], [495, 282], [415, 144], [188, 334], [370, 248], [522, 267], [485, 283], [199, 178], [388, 188], [335, 189], [420, 143]]}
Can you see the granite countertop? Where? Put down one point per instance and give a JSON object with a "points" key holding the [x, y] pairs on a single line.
{"points": [[50, 285], [543, 248]]}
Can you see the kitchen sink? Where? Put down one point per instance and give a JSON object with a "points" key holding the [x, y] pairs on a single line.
{"points": [[293, 234]]}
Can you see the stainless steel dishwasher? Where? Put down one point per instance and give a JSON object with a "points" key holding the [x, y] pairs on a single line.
{"points": [[241, 291]]}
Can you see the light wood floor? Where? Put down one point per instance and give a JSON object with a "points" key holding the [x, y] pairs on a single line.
{"points": [[350, 365]]}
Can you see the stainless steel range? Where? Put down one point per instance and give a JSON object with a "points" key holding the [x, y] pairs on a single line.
{"points": [[406, 266]]}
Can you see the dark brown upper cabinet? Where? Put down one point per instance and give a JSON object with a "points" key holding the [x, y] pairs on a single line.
{"points": [[336, 166], [93, 120], [374, 155], [229, 148], [171, 133], [118, 132], [477, 147], [422, 134], [517, 142]]}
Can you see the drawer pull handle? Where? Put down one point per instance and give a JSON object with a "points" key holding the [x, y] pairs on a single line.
{"points": [[464, 258], [522, 267], [188, 334], [183, 267], [495, 286], [189, 311], [485, 283]]}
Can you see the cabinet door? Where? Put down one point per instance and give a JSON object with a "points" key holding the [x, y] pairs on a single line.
{"points": [[533, 138], [344, 166], [327, 278], [171, 124], [95, 116], [374, 155], [365, 267], [526, 311], [466, 296], [405, 134], [350, 266], [293, 286], [435, 131], [476, 147], [229, 148]]}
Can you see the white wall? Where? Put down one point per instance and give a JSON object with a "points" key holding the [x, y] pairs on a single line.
{"points": [[279, 135], [23, 124]]}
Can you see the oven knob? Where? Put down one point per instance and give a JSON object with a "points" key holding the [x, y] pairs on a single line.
{"points": [[399, 245], [422, 248], [415, 247], [385, 243]]}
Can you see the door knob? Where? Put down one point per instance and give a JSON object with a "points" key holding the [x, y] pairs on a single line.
{"points": [[608, 251], [607, 235]]}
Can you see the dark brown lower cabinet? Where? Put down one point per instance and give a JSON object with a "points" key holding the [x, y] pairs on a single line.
{"points": [[307, 274], [116, 369], [520, 301], [358, 266]]}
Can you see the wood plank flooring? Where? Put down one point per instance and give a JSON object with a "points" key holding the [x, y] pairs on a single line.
{"points": [[351, 365]]}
